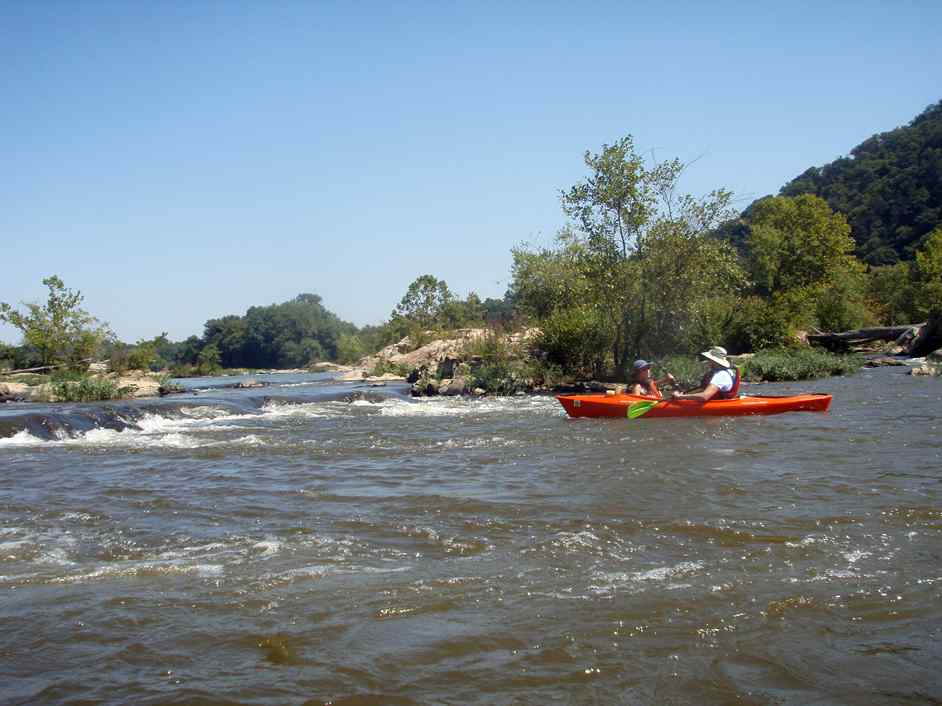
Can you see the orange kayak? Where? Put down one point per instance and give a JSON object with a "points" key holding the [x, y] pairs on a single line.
{"points": [[619, 405]]}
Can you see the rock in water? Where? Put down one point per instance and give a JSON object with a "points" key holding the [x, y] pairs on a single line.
{"points": [[883, 361]]}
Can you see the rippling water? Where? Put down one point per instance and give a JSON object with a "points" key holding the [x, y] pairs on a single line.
{"points": [[301, 545]]}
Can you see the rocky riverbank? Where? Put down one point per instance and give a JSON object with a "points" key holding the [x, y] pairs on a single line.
{"points": [[36, 388]]}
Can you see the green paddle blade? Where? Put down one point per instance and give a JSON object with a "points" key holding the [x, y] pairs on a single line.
{"points": [[639, 409]]}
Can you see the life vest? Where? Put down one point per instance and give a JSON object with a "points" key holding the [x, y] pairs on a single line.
{"points": [[733, 391]]}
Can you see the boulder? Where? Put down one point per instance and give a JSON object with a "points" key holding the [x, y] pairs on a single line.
{"points": [[14, 389], [141, 384], [453, 387]]}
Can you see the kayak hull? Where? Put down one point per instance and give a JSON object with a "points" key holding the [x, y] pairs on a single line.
{"points": [[616, 406]]}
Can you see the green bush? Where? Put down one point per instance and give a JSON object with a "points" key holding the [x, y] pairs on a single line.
{"points": [[757, 324], [504, 377], [141, 356], [576, 340], [88, 389], [384, 366], [785, 364], [842, 301], [349, 348]]}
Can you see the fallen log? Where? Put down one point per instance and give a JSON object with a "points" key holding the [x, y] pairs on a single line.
{"points": [[848, 339]]}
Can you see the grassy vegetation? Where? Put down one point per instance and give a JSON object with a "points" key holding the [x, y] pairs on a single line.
{"points": [[88, 389], [770, 365], [383, 367], [785, 364]]}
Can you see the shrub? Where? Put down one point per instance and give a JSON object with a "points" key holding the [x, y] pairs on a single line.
{"points": [[183, 370], [384, 366], [208, 360], [89, 389], [490, 346], [349, 348], [891, 293], [576, 340], [503, 377], [841, 302], [757, 324], [781, 364], [141, 356]]}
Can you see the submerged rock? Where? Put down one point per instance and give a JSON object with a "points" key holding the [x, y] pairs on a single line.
{"points": [[250, 384]]}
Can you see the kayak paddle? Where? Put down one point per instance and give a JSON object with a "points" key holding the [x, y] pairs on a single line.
{"points": [[639, 409]]}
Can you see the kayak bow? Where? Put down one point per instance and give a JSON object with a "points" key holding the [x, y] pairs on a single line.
{"points": [[620, 406]]}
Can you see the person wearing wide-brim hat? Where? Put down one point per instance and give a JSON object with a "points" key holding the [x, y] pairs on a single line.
{"points": [[643, 383], [720, 382]]}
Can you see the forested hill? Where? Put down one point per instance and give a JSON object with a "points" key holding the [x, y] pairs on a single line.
{"points": [[889, 188]]}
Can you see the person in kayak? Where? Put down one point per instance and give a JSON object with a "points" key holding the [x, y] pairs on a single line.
{"points": [[642, 383], [721, 381]]}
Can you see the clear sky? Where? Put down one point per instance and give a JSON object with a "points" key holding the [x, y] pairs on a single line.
{"points": [[177, 161]]}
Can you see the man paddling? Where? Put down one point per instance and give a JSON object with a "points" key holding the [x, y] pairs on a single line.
{"points": [[721, 381]]}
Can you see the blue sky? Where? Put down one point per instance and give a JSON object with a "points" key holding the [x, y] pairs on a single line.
{"points": [[177, 161]]}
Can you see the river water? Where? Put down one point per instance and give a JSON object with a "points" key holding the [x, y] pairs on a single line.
{"points": [[316, 542]]}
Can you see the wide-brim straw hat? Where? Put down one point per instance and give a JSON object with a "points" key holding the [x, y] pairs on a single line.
{"points": [[718, 355]]}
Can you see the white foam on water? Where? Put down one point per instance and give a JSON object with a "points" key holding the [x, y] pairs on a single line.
{"points": [[606, 583], [269, 547], [150, 431], [139, 569], [464, 406], [22, 438], [306, 410], [855, 556], [576, 541]]}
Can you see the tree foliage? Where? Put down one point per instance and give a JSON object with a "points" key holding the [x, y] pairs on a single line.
{"points": [[424, 301], [60, 331], [889, 188], [927, 276], [637, 260]]}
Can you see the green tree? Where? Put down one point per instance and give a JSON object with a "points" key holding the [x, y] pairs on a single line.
{"points": [[349, 348], [142, 356], [208, 359], [424, 300], [800, 256], [60, 331], [891, 293], [647, 263], [927, 276]]}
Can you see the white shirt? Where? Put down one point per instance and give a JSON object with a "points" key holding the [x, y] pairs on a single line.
{"points": [[723, 379]]}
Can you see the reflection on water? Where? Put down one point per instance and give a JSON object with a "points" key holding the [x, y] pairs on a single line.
{"points": [[314, 542]]}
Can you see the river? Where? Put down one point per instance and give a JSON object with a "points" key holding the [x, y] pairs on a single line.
{"points": [[316, 542]]}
